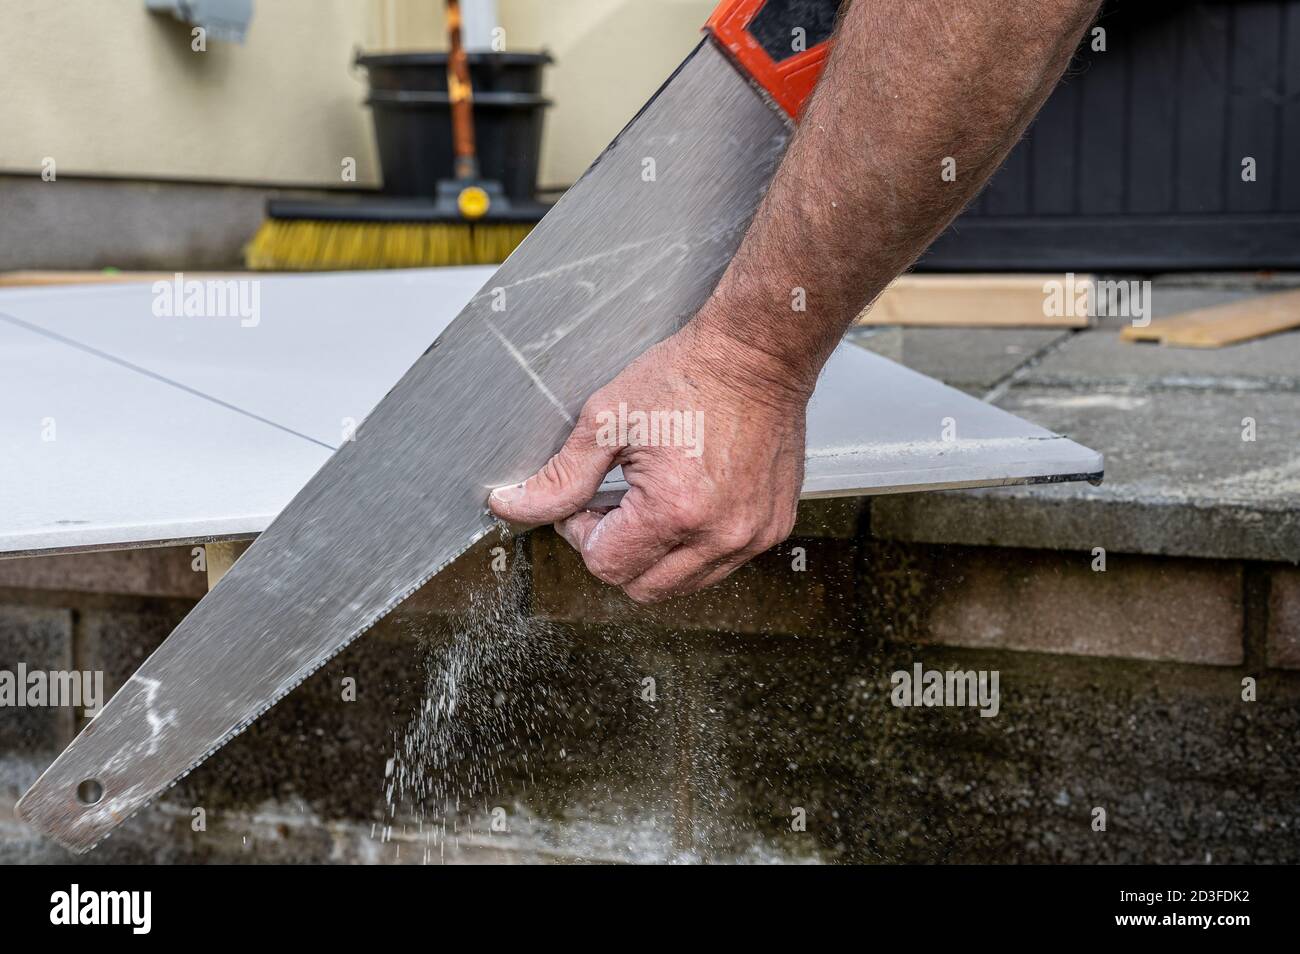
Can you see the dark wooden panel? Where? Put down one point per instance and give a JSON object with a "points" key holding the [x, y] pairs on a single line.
{"points": [[1200, 144], [1054, 167], [1119, 243], [1288, 198], [1153, 117], [1103, 148], [1008, 193], [1140, 148], [1254, 93]]}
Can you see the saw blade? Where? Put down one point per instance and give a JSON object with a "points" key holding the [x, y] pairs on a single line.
{"points": [[624, 259]]}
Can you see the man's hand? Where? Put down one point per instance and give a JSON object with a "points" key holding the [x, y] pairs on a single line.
{"points": [[911, 88], [721, 486]]}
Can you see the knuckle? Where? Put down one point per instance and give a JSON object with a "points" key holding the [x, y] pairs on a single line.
{"points": [[602, 568], [559, 471], [685, 514], [596, 408], [598, 401], [734, 538], [778, 533], [552, 470]]}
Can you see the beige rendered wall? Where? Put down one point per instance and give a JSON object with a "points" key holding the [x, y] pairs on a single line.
{"points": [[610, 57], [106, 88]]}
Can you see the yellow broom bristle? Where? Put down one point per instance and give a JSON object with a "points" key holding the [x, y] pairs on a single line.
{"points": [[310, 245]]}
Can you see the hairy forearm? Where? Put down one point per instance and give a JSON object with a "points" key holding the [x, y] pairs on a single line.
{"points": [[912, 89]]}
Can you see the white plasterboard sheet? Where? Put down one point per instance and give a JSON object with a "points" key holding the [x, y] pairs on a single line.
{"points": [[325, 348], [149, 450], [95, 456], [876, 427]]}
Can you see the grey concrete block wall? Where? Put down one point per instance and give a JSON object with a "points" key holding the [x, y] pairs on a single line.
{"points": [[1284, 618], [551, 729], [554, 729], [1058, 602], [158, 571], [116, 641], [1185, 770], [805, 586], [78, 223], [37, 639]]}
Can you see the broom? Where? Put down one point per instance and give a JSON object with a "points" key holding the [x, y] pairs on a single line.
{"points": [[469, 222]]}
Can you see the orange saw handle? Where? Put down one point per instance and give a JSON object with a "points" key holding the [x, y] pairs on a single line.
{"points": [[781, 45]]}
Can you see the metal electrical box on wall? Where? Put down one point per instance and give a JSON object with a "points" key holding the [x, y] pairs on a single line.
{"points": [[222, 19]]}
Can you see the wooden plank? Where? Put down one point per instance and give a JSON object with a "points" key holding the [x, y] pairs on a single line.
{"points": [[978, 301], [1223, 324]]}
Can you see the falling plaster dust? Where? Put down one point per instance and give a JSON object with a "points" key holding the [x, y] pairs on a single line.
{"points": [[497, 708]]}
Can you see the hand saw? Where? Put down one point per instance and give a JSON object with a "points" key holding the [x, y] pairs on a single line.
{"points": [[623, 260]]}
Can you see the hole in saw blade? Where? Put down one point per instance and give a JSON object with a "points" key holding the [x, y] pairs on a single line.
{"points": [[89, 792]]}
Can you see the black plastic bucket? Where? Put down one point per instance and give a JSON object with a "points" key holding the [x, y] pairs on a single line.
{"points": [[412, 117], [427, 72]]}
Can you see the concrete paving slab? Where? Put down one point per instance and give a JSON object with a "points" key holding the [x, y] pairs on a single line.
{"points": [[1229, 281], [1098, 358], [1171, 295], [971, 359], [1180, 480], [1180, 292]]}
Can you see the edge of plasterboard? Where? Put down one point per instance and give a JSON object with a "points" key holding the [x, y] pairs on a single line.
{"points": [[46, 543]]}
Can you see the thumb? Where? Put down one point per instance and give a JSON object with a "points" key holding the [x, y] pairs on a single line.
{"points": [[568, 481]]}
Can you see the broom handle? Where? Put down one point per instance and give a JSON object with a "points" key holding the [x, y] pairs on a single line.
{"points": [[461, 94]]}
